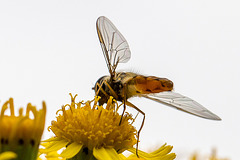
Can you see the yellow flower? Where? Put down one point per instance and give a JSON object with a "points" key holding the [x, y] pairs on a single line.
{"points": [[21, 134], [89, 131]]}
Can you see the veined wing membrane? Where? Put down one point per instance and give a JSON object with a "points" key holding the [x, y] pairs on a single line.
{"points": [[182, 103], [114, 45]]}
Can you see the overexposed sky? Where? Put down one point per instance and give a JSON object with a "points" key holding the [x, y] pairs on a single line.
{"points": [[50, 48]]}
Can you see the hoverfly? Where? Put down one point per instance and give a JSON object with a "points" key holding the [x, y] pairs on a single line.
{"points": [[124, 85]]}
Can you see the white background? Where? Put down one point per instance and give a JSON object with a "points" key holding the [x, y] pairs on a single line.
{"points": [[50, 48]]}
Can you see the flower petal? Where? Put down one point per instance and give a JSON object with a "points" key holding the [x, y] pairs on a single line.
{"points": [[7, 155], [52, 139], [105, 154], [71, 150], [140, 153], [52, 155], [55, 146], [162, 153]]}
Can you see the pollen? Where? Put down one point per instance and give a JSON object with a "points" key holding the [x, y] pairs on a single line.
{"points": [[94, 126]]}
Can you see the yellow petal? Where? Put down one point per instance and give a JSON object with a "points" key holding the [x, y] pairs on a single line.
{"points": [[52, 139], [55, 146], [52, 155], [122, 157], [71, 150], [7, 155], [164, 151], [161, 153], [160, 149], [105, 154], [140, 153]]}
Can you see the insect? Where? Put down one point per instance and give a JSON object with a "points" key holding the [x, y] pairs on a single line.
{"points": [[124, 85]]}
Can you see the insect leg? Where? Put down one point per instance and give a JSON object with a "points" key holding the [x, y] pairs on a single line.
{"points": [[100, 88], [111, 90], [124, 108], [133, 106], [116, 97], [124, 102]]}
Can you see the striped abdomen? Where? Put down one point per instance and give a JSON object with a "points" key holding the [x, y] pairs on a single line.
{"points": [[148, 84]]}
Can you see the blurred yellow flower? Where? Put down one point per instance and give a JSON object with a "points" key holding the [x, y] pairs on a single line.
{"points": [[213, 156], [21, 134]]}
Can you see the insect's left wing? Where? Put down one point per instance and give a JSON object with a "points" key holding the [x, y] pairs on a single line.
{"points": [[182, 103], [114, 45]]}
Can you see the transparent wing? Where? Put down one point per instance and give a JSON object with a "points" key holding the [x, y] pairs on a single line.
{"points": [[114, 45], [182, 103]]}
